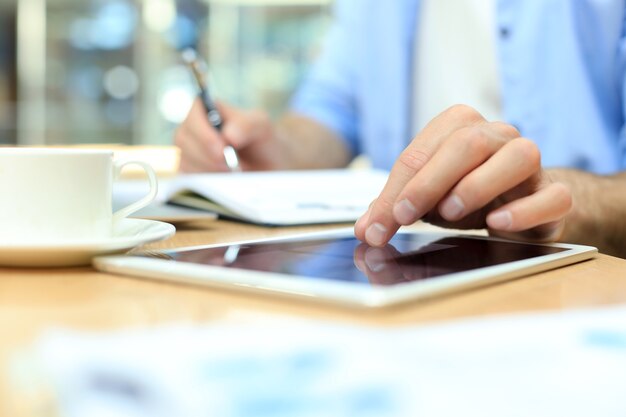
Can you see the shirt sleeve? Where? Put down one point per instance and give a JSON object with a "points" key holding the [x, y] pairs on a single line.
{"points": [[328, 93], [622, 74]]}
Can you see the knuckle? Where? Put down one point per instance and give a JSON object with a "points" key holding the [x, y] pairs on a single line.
{"points": [[422, 192], [384, 204], [413, 159], [562, 195], [507, 130], [465, 113], [529, 152], [470, 190], [478, 143], [472, 141]]}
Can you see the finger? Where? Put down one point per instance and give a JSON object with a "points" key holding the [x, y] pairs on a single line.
{"points": [[198, 158], [201, 146], [381, 224], [242, 128], [199, 155], [231, 133], [463, 152], [361, 223], [514, 163], [548, 205]]}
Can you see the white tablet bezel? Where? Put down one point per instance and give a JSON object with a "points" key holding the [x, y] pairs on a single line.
{"points": [[337, 292]]}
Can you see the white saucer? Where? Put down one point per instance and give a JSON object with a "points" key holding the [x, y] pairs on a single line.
{"points": [[127, 235]]}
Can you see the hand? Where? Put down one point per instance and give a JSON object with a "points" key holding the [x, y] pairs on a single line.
{"points": [[250, 132], [466, 173]]}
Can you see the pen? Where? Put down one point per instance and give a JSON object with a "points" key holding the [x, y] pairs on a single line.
{"points": [[192, 59]]}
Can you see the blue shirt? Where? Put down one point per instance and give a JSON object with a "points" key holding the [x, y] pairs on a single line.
{"points": [[562, 67]]}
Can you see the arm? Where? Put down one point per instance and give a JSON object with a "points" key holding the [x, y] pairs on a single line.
{"points": [[319, 132], [309, 144], [295, 142], [463, 172], [598, 216]]}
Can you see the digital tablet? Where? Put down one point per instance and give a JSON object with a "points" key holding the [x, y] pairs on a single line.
{"points": [[336, 267]]}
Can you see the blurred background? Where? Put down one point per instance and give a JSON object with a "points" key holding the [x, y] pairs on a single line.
{"points": [[109, 71]]}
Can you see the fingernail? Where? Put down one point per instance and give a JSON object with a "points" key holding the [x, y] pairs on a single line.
{"points": [[375, 234], [500, 220], [452, 208], [375, 260], [404, 212]]}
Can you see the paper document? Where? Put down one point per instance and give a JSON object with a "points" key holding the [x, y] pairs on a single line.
{"points": [[281, 197], [563, 364], [128, 191]]}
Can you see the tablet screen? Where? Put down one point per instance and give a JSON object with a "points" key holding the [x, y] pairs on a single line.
{"points": [[408, 257]]}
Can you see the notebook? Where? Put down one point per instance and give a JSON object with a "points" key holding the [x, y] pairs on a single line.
{"points": [[280, 197], [128, 191]]}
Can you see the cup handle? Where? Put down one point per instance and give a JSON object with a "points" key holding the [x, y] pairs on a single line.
{"points": [[138, 205]]}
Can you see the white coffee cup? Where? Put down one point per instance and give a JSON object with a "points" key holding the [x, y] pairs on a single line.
{"points": [[53, 195]]}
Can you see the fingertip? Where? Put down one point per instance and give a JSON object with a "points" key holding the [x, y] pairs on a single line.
{"points": [[359, 226], [405, 212], [452, 208], [359, 229], [376, 235], [500, 220]]}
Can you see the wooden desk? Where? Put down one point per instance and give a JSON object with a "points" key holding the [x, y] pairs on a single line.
{"points": [[81, 298]]}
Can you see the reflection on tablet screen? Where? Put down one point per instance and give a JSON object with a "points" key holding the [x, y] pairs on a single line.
{"points": [[406, 258]]}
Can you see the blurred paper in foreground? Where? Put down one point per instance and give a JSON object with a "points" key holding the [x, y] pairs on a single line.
{"points": [[565, 364]]}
